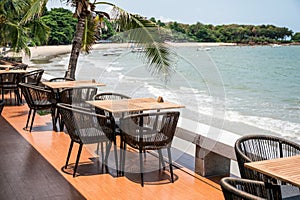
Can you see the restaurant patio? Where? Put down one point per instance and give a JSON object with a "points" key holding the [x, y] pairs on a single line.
{"points": [[32, 163]]}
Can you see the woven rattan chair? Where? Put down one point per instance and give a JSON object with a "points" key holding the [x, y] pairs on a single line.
{"points": [[77, 97], [34, 77], [252, 148], [61, 79], [86, 127], [115, 116], [246, 189], [111, 96], [20, 66], [57, 93], [38, 98], [149, 131], [262, 147], [10, 82], [1, 106]]}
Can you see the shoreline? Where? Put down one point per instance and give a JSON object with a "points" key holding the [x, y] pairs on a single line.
{"points": [[47, 52]]}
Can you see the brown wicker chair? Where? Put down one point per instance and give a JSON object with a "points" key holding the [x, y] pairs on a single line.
{"points": [[57, 93], [252, 148], [111, 96], [246, 189], [38, 98], [1, 106], [61, 79], [262, 147], [10, 82], [34, 77], [20, 66], [149, 131], [84, 126], [77, 97]]}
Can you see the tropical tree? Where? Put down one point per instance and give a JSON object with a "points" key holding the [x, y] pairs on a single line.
{"points": [[19, 27], [29, 12], [157, 54], [62, 25]]}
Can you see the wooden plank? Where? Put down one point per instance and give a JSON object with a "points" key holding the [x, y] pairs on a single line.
{"points": [[285, 169], [70, 84], [95, 184], [131, 105]]}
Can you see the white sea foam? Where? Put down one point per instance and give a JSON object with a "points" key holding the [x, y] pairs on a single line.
{"points": [[110, 69]]}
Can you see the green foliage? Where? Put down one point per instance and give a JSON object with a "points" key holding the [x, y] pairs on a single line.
{"points": [[245, 34], [20, 24], [296, 37], [62, 26]]}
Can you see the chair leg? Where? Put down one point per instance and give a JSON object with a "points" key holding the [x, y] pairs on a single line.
{"points": [[28, 117], [69, 154], [170, 164], [18, 97], [122, 158], [108, 147], [53, 116], [77, 159], [161, 160], [116, 156], [61, 125], [141, 167], [32, 119]]}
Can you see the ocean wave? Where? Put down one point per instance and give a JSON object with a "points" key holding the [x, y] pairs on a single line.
{"points": [[283, 128], [110, 69]]}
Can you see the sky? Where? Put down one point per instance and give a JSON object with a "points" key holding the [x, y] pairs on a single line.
{"points": [[281, 13]]}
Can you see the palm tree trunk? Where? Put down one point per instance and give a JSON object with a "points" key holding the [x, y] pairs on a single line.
{"points": [[76, 47]]}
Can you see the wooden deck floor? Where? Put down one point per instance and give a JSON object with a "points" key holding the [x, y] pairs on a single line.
{"points": [[94, 182]]}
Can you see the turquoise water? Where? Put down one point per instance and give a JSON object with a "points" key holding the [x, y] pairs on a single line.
{"points": [[250, 88]]}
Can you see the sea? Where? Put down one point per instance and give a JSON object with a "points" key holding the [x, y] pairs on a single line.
{"points": [[241, 89]]}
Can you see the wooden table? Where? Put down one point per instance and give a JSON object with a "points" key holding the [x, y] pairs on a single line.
{"points": [[285, 169], [19, 71], [3, 67], [132, 105], [71, 84]]}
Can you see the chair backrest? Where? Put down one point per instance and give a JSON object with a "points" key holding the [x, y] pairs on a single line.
{"points": [[84, 125], [77, 96], [110, 96], [246, 189], [154, 130], [36, 96], [262, 147], [20, 66], [9, 79], [33, 77], [1, 106], [60, 79]]}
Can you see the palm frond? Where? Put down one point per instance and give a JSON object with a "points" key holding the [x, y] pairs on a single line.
{"points": [[146, 34], [40, 31], [35, 10], [89, 34], [19, 38]]}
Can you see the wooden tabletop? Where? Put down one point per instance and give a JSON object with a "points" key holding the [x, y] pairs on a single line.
{"points": [[20, 71], [131, 105], [70, 84], [286, 169], [6, 66]]}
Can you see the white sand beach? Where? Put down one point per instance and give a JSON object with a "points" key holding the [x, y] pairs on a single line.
{"points": [[41, 52]]}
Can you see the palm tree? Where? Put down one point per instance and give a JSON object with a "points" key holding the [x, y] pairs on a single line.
{"points": [[141, 31], [20, 24], [157, 54]]}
